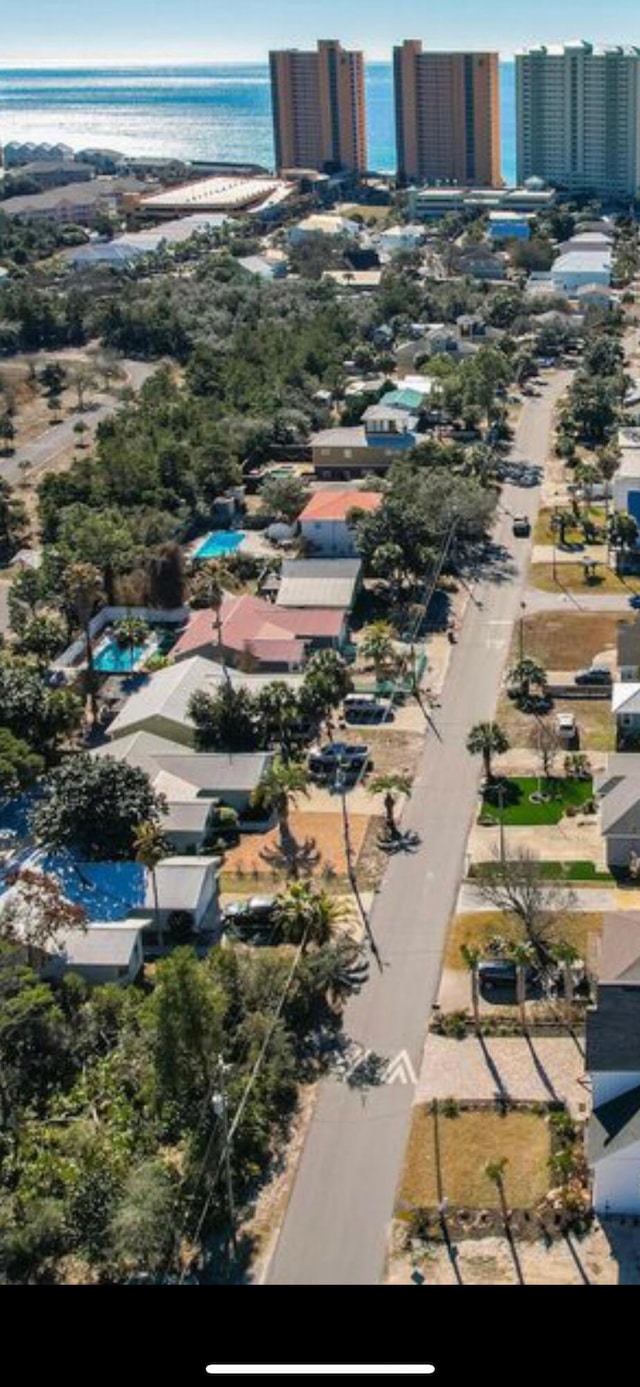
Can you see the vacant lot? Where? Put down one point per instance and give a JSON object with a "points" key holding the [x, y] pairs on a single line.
{"points": [[570, 578], [544, 533], [570, 640], [593, 716], [391, 751], [317, 850], [476, 928], [447, 1156]]}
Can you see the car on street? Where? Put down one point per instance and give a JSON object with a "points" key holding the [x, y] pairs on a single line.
{"points": [[350, 757], [596, 674], [521, 526]]}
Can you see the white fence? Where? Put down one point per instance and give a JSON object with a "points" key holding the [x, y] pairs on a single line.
{"points": [[108, 616]]}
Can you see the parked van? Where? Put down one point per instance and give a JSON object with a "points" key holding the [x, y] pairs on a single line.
{"points": [[366, 708]]}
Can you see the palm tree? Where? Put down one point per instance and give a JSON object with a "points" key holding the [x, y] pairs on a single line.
{"points": [[280, 787], [472, 956], [566, 955], [527, 674], [487, 739], [84, 379], [523, 955], [307, 916], [392, 786], [494, 1171], [82, 583], [378, 648], [150, 848], [132, 631]]}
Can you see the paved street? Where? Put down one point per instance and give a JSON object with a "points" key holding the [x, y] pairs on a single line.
{"points": [[42, 451], [336, 1228]]}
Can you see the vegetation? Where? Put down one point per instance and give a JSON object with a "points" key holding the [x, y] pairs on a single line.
{"points": [[94, 806]]}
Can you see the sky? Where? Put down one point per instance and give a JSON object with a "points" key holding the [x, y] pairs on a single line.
{"points": [[58, 33]]}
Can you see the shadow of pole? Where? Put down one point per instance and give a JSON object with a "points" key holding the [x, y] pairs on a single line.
{"points": [[581, 1270], [452, 1251]]}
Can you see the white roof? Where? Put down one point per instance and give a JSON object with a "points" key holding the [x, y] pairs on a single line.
{"points": [[216, 772], [167, 694], [581, 261], [319, 582], [225, 192], [180, 882], [105, 945], [626, 698]]}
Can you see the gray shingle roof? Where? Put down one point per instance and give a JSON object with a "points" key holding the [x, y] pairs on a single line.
{"points": [[615, 1126], [613, 1029]]}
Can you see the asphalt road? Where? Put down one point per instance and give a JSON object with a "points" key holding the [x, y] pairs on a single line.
{"points": [[42, 451], [336, 1227]]}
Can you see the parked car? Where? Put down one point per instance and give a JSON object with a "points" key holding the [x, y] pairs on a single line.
{"points": [[521, 526], [566, 726], [255, 910], [350, 757], [500, 972], [366, 708], [596, 674]]}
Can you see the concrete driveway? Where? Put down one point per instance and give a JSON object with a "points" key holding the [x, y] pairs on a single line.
{"points": [[337, 1224]]}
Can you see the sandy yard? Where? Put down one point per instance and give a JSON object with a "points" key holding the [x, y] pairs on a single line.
{"points": [[572, 840], [593, 716], [604, 1257], [547, 1068], [568, 640]]}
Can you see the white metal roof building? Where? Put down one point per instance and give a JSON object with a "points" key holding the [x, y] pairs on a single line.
{"points": [[319, 583]]}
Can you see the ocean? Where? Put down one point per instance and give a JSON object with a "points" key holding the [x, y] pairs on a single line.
{"points": [[208, 113]]}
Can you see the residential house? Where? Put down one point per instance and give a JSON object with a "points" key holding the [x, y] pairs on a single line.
{"points": [[626, 483], [433, 339], [479, 261], [399, 239], [613, 1063], [322, 224], [307, 583], [188, 895], [508, 226], [160, 704], [325, 521], [618, 790], [595, 296], [270, 266], [355, 281], [103, 953], [252, 635], [192, 783], [572, 271], [344, 454], [625, 706], [629, 651]]}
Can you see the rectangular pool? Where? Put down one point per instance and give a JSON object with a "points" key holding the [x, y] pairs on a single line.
{"points": [[113, 658], [220, 542]]}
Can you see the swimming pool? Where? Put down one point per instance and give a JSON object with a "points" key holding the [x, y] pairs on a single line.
{"points": [[107, 891], [220, 542], [113, 658]]}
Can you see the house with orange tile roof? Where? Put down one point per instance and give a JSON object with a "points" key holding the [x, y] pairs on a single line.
{"points": [[326, 522], [254, 635]]}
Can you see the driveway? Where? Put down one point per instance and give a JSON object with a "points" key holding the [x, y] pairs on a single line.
{"points": [[336, 1228], [542, 1070]]}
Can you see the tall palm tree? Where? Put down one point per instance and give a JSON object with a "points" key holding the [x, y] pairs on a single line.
{"points": [[487, 739], [280, 788], [527, 674], [307, 916], [83, 588], [566, 955], [471, 956], [150, 848], [392, 786], [378, 648], [523, 955]]}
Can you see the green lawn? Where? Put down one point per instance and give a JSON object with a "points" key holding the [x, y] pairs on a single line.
{"points": [[584, 872], [518, 809]]}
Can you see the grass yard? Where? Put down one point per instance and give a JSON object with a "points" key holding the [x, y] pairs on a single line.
{"points": [[583, 872], [519, 810], [447, 1156], [595, 723], [570, 578], [544, 534], [476, 928], [567, 640]]}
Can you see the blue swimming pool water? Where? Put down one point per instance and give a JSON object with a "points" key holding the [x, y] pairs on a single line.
{"points": [[113, 659], [107, 891], [218, 543]]}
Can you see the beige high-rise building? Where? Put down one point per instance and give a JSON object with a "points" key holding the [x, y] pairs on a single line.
{"points": [[319, 114], [578, 118], [447, 116]]}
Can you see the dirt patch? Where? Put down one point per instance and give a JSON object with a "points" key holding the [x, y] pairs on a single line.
{"points": [[391, 751], [567, 640], [476, 928], [446, 1158], [597, 1259], [317, 850], [593, 716]]}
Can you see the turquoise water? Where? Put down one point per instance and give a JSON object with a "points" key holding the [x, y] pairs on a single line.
{"points": [[219, 543], [113, 659], [215, 112]]}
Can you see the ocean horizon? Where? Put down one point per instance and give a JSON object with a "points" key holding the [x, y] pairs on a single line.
{"points": [[213, 112]]}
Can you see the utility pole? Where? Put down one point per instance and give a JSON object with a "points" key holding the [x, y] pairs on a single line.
{"points": [[220, 1106], [523, 608], [341, 787]]}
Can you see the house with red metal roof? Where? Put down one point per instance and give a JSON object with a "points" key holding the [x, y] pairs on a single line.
{"points": [[326, 525], [254, 635]]}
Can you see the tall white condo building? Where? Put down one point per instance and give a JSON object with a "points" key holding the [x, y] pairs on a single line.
{"points": [[578, 117]]}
